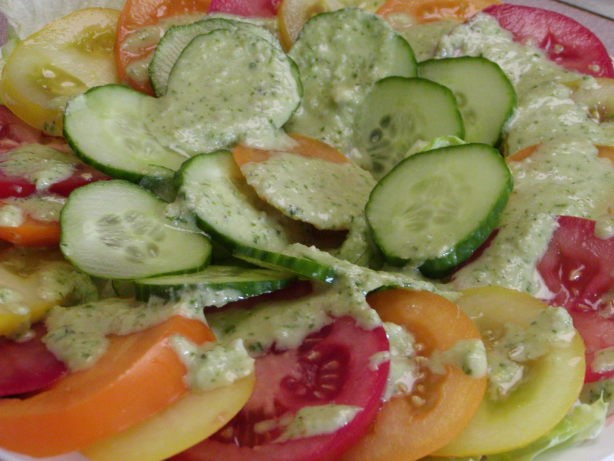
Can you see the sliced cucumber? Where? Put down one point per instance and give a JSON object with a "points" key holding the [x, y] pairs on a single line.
{"points": [[397, 113], [226, 86], [436, 207], [211, 185], [215, 285], [340, 55], [117, 230], [178, 37], [484, 94], [303, 267], [105, 127]]}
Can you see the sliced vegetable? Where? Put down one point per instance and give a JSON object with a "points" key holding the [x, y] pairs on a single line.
{"points": [[101, 401], [578, 270], [336, 79], [115, 229], [226, 208], [249, 8], [563, 39], [422, 11], [484, 94], [178, 37], [63, 59], [14, 132], [412, 426], [32, 168], [437, 207], [30, 231], [215, 285], [397, 113], [193, 418], [141, 25], [303, 184], [539, 388], [27, 365], [333, 368]]}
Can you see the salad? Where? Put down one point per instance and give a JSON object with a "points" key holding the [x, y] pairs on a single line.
{"points": [[306, 230]]}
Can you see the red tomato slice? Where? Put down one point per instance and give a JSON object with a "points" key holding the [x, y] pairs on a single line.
{"points": [[332, 366], [27, 366], [248, 8], [564, 40], [14, 132], [578, 268]]}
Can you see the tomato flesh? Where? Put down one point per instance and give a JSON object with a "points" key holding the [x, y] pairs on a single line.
{"points": [[14, 132], [578, 269], [564, 40], [332, 366], [27, 366], [248, 8]]}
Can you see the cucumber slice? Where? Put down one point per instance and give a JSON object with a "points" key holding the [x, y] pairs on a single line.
{"points": [[215, 285], [118, 230], [484, 94], [226, 86], [340, 55], [105, 127], [397, 113], [211, 185], [178, 37], [436, 207]]}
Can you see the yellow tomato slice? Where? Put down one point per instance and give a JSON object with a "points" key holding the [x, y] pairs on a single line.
{"points": [[185, 423], [31, 282], [63, 59], [547, 392]]}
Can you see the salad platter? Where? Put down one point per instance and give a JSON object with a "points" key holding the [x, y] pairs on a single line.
{"points": [[305, 229]]}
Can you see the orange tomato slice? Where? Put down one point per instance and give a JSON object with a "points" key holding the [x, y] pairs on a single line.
{"points": [[421, 11], [32, 233], [602, 151], [139, 375], [404, 430]]}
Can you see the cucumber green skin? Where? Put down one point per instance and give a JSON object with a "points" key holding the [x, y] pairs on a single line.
{"points": [[442, 266], [263, 281], [513, 100], [118, 173], [302, 267]]}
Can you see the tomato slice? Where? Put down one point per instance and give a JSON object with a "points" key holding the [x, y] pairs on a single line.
{"points": [[422, 11], [404, 430], [38, 224], [578, 269], [139, 375], [63, 59], [30, 168], [141, 25], [563, 39], [332, 366], [14, 132], [248, 8], [28, 366]]}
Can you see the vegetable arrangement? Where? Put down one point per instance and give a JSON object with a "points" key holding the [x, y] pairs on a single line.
{"points": [[284, 234]]}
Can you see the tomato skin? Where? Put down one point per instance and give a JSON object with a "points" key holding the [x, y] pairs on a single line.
{"points": [[32, 233], [28, 366], [248, 8], [563, 39], [423, 11], [578, 269], [278, 391]]}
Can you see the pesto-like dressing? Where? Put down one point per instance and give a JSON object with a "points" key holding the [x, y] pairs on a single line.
{"points": [[403, 366], [469, 355], [213, 365], [326, 194], [317, 420], [39, 164], [15, 210]]}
